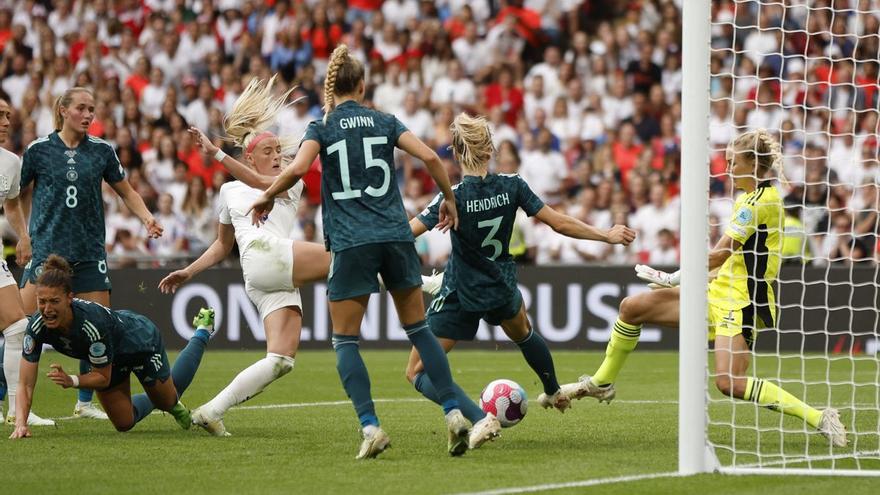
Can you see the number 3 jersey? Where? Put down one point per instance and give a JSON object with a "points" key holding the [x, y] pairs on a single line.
{"points": [[98, 334], [67, 213], [481, 268], [360, 201]]}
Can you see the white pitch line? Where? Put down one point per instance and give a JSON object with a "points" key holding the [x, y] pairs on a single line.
{"points": [[574, 484]]}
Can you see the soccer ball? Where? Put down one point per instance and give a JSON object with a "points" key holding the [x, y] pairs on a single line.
{"points": [[506, 400]]}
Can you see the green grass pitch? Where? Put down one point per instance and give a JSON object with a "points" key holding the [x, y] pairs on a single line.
{"points": [[306, 443]]}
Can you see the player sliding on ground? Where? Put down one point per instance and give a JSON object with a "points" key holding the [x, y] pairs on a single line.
{"points": [[480, 279], [741, 298], [272, 286], [366, 231], [115, 343]]}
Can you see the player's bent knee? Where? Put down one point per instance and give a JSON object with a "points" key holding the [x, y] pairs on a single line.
{"points": [[632, 310], [724, 384], [123, 427]]}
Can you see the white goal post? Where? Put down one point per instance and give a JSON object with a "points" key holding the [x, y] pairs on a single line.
{"points": [[822, 104]]}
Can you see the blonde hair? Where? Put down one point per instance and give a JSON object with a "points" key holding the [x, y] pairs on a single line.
{"points": [[64, 101], [254, 112], [344, 72], [763, 150], [472, 142]]}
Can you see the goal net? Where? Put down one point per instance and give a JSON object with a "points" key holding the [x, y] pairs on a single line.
{"points": [[807, 72]]}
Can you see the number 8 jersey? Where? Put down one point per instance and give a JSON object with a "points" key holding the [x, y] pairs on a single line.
{"points": [[67, 213], [360, 200]]}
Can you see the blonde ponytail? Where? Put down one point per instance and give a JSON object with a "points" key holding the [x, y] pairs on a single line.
{"points": [[763, 150], [472, 142], [254, 112], [344, 72]]}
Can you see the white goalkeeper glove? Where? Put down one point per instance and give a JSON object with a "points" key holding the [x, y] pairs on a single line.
{"points": [[658, 279]]}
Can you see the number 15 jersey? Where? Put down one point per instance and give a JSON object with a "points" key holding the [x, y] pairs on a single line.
{"points": [[67, 212], [360, 200]]}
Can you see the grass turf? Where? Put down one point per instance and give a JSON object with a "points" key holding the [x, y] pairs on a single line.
{"points": [[307, 444]]}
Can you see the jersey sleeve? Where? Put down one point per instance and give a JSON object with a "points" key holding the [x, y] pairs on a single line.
{"points": [[223, 208], [101, 349], [744, 222], [15, 187], [312, 133], [430, 216], [399, 129], [28, 168], [528, 200], [32, 346], [113, 171]]}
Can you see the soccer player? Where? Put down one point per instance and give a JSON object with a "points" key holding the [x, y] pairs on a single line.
{"points": [[115, 343], [66, 169], [12, 320], [741, 298], [367, 234], [480, 278], [272, 279]]}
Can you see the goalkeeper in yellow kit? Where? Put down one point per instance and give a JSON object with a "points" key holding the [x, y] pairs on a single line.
{"points": [[741, 299]]}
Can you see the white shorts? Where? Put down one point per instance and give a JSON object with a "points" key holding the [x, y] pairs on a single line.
{"points": [[6, 278], [267, 264]]}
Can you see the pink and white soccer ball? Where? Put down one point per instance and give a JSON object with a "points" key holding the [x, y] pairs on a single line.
{"points": [[506, 400]]}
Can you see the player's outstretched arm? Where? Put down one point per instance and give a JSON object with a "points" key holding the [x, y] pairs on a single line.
{"points": [[722, 250], [572, 227], [135, 203], [417, 227], [304, 158], [414, 146], [14, 214], [216, 252], [238, 170], [27, 380]]}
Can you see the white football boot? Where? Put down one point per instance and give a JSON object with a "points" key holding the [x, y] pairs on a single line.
{"points": [[585, 387], [212, 424], [88, 411], [831, 428], [559, 400], [458, 428], [33, 420], [484, 430], [374, 444]]}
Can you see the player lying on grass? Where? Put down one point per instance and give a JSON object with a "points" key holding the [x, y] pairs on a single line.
{"points": [[480, 280], [272, 279], [741, 298], [366, 230], [12, 320], [116, 344]]}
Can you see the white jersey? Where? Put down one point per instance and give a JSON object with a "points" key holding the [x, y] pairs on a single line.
{"points": [[236, 198], [10, 177]]}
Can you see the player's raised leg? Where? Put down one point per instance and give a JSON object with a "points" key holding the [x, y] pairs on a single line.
{"points": [[657, 307], [283, 328], [315, 266]]}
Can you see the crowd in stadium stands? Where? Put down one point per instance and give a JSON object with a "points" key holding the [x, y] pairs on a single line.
{"points": [[584, 99]]}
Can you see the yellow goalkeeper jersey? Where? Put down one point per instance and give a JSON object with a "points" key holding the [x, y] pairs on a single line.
{"points": [[746, 277]]}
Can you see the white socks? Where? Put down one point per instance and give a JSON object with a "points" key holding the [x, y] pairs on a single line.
{"points": [[250, 382], [14, 335]]}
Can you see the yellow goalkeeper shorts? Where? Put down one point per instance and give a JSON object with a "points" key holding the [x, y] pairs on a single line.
{"points": [[732, 322]]}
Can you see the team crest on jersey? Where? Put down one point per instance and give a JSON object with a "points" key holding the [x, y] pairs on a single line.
{"points": [[72, 175], [38, 271], [28, 344], [97, 349]]}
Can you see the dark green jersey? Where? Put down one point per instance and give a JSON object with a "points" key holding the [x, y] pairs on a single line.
{"points": [[481, 268], [99, 334], [67, 216], [360, 200]]}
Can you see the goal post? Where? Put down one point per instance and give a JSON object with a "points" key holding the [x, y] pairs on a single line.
{"points": [[808, 73], [692, 442]]}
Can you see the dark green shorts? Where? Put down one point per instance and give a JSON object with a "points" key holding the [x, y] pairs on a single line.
{"points": [[88, 276], [448, 320], [148, 367], [353, 271]]}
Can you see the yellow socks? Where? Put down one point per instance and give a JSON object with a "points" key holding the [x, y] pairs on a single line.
{"points": [[773, 397], [623, 340]]}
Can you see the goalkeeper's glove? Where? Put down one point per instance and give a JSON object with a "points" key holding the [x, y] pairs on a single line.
{"points": [[658, 279]]}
